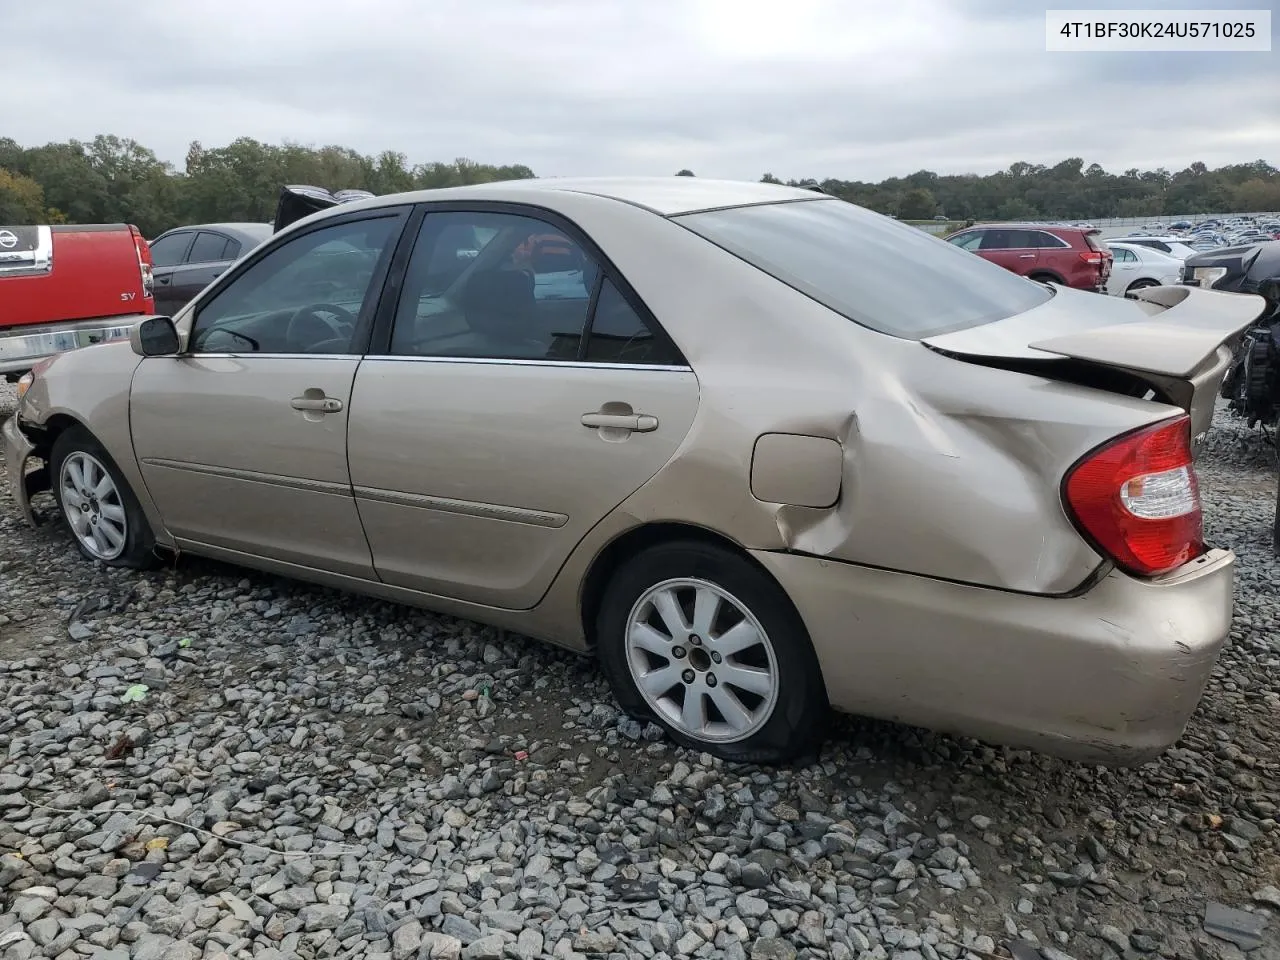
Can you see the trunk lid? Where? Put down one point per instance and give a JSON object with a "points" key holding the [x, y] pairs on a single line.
{"points": [[300, 200], [1170, 343]]}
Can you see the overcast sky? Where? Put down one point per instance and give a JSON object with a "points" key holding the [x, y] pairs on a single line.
{"points": [[731, 88]]}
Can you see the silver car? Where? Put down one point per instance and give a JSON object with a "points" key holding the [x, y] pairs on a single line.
{"points": [[760, 451]]}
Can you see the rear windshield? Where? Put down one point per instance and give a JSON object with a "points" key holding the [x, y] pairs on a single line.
{"points": [[1095, 241], [882, 274]]}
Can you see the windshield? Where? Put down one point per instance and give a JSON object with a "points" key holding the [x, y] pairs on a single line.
{"points": [[889, 276]]}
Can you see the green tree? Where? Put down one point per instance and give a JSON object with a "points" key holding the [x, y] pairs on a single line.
{"points": [[21, 199], [917, 204]]}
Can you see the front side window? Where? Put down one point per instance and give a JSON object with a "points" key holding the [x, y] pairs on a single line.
{"points": [[304, 296], [168, 250], [967, 241], [493, 286], [891, 277]]}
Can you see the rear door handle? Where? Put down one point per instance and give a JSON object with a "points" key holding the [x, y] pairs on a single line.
{"points": [[637, 422], [320, 405], [1026, 256]]}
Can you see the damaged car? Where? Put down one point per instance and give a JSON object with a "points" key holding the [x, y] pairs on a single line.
{"points": [[759, 450]]}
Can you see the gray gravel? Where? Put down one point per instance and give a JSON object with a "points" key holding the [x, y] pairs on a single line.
{"points": [[317, 775]]}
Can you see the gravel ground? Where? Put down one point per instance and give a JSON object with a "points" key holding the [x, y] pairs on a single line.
{"points": [[318, 775]]}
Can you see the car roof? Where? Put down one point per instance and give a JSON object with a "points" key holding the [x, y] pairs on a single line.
{"points": [[1017, 225], [255, 231], [666, 196]]}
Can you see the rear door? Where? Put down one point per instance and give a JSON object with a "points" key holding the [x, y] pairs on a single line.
{"points": [[509, 405], [1124, 270]]}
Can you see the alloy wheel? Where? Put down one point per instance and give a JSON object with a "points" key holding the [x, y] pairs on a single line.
{"points": [[93, 506], [702, 661]]}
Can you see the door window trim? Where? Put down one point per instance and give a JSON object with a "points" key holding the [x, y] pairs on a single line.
{"points": [[379, 344], [368, 310]]}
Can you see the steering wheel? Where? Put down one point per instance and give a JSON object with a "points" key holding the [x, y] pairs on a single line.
{"points": [[309, 326]]}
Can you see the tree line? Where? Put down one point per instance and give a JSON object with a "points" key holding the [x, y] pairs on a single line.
{"points": [[114, 179]]}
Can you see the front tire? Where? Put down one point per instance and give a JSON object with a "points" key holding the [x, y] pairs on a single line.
{"points": [[97, 503], [700, 640]]}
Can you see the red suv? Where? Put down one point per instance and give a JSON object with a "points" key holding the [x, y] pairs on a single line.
{"points": [[1071, 256]]}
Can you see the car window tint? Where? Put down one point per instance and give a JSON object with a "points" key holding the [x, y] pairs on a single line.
{"points": [[207, 248], [620, 335], [1046, 241], [998, 239], [167, 251], [232, 250], [303, 297], [967, 241], [493, 286], [886, 275]]}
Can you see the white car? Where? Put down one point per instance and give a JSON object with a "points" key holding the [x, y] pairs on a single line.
{"points": [[1136, 266], [1162, 243]]}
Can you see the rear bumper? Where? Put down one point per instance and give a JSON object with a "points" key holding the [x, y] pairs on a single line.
{"points": [[1111, 676], [22, 347], [17, 451]]}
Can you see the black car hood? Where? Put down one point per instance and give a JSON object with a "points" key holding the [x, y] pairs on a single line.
{"points": [[1253, 268], [300, 200]]}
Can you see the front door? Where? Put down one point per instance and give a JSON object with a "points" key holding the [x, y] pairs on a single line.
{"points": [[242, 440], [523, 394], [168, 253]]}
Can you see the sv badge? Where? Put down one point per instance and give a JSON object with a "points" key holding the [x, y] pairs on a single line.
{"points": [[128, 296]]}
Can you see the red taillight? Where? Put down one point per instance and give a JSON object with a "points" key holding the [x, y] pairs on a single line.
{"points": [[1091, 256], [144, 262], [1138, 498]]}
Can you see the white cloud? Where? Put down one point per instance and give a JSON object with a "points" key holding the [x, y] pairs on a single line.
{"points": [[725, 87]]}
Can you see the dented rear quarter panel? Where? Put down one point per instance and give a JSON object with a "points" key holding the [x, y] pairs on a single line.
{"points": [[949, 470]]}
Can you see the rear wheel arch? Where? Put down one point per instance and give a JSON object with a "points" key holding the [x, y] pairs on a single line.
{"points": [[631, 542], [1046, 276], [1141, 284]]}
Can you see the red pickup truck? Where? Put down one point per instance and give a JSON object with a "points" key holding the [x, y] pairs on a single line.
{"points": [[66, 286]]}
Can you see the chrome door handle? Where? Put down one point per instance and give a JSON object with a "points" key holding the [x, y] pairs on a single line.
{"points": [[321, 405], [637, 422], [1026, 256]]}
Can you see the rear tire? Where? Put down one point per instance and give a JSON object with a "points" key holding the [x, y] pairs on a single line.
{"points": [[1139, 285], [693, 620], [1044, 278], [97, 503]]}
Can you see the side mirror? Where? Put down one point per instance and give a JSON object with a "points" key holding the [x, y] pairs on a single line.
{"points": [[155, 337]]}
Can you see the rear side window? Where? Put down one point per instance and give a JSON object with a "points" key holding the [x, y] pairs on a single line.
{"points": [[882, 274], [1047, 241], [208, 248], [1096, 242]]}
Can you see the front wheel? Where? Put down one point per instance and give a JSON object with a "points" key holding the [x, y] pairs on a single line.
{"points": [[705, 643], [97, 504], [1139, 285]]}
